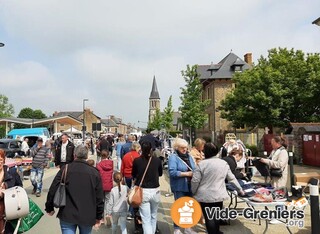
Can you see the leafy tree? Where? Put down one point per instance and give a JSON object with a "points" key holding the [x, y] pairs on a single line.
{"points": [[29, 113], [192, 106], [38, 114], [6, 110], [167, 116], [156, 123], [281, 88]]}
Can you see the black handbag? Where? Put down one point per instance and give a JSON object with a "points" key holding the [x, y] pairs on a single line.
{"points": [[276, 172], [59, 199]]}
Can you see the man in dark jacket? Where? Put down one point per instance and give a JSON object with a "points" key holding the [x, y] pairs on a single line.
{"points": [[84, 195], [64, 151]]}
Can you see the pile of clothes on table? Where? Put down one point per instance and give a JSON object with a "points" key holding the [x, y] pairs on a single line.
{"points": [[261, 192]]}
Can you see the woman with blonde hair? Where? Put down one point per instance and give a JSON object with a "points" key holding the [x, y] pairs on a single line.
{"points": [[197, 150], [181, 166]]}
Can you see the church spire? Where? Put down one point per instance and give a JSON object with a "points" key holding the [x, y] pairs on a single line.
{"points": [[154, 92], [154, 100]]}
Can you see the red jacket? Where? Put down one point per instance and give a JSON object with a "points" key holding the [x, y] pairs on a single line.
{"points": [[127, 162], [105, 168]]}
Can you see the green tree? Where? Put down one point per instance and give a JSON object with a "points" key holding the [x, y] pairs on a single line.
{"points": [[6, 110], [167, 116], [192, 106], [156, 122], [29, 113], [281, 88]]}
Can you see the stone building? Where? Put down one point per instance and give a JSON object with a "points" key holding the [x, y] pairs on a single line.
{"points": [[217, 82]]}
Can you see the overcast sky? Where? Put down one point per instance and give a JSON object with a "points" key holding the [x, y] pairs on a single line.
{"points": [[59, 52]]}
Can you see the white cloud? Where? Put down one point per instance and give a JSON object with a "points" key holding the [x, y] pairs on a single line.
{"points": [[59, 52]]}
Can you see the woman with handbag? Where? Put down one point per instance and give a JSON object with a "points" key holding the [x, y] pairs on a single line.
{"points": [[146, 171], [181, 166], [279, 163], [278, 160]]}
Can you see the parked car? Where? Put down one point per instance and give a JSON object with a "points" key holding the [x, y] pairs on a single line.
{"points": [[11, 147]]}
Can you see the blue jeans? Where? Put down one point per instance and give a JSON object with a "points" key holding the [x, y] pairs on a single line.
{"points": [[121, 219], [149, 209], [177, 195], [70, 228], [36, 175]]}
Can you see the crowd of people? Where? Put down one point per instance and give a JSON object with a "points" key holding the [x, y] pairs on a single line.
{"points": [[197, 172], [97, 191]]}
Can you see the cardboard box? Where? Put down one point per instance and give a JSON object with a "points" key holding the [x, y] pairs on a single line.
{"points": [[303, 178]]}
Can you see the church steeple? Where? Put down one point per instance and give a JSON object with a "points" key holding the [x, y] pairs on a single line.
{"points": [[154, 91], [154, 100]]}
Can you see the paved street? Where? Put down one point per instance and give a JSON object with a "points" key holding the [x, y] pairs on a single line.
{"points": [[49, 225]]}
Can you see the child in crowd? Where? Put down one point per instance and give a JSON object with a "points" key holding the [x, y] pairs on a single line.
{"points": [[118, 206], [105, 168]]}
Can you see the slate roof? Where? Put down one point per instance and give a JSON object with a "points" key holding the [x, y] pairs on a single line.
{"points": [[117, 120], [203, 71], [154, 91], [224, 69], [75, 114], [109, 123]]}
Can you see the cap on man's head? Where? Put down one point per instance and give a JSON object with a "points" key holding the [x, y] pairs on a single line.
{"points": [[40, 139]]}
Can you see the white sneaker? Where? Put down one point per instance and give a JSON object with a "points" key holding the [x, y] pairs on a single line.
{"points": [[189, 231], [177, 231], [275, 221]]}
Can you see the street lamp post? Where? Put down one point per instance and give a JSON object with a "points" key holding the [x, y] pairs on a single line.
{"points": [[83, 121]]}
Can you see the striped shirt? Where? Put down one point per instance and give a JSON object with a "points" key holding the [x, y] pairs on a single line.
{"points": [[40, 157]]}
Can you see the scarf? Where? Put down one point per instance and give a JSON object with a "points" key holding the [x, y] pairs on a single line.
{"points": [[185, 158]]}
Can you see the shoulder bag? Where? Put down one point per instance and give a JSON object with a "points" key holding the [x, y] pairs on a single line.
{"points": [[59, 199], [276, 172], [135, 195]]}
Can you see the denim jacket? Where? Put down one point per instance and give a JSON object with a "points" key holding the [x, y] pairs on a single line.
{"points": [[176, 166]]}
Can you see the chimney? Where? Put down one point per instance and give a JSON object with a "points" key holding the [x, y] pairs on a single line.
{"points": [[248, 58]]}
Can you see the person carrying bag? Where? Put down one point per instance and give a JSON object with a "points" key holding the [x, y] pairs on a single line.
{"points": [[59, 199], [136, 194], [149, 181]]}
